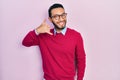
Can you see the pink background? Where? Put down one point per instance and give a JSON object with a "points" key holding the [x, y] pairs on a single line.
{"points": [[97, 20]]}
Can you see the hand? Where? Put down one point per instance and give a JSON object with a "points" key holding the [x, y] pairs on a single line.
{"points": [[43, 28]]}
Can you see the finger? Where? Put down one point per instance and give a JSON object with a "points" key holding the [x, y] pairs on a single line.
{"points": [[50, 33], [44, 22]]}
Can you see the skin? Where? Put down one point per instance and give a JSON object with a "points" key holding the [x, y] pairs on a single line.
{"points": [[58, 24]]}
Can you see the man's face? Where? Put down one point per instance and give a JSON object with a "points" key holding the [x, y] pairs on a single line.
{"points": [[58, 18]]}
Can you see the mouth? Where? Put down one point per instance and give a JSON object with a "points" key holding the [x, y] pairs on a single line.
{"points": [[62, 23]]}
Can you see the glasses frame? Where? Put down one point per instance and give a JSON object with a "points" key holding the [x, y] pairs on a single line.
{"points": [[57, 17]]}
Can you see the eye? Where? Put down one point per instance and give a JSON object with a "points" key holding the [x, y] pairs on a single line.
{"points": [[64, 15], [58, 16]]}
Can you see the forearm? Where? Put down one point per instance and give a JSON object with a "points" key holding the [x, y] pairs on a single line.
{"points": [[81, 58], [81, 68]]}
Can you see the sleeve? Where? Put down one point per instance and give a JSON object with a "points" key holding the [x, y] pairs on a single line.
{"points": [[31, 39], [80, 58]]}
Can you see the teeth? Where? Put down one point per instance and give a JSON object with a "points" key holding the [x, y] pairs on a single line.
{"points": [[61, 23]]}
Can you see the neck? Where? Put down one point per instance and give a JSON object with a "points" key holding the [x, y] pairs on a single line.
{"points": [[58, 30]]}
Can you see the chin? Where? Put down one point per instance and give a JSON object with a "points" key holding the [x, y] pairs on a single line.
{"points": [[58, 27], [61, 26]]}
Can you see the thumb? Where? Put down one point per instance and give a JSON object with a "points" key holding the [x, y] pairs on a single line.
{"points": [[44, 21]]}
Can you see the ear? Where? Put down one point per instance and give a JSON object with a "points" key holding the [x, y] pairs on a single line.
{"points": [[50, 19]]}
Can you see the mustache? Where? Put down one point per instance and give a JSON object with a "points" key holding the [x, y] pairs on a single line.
{"points": [[57, 27]]}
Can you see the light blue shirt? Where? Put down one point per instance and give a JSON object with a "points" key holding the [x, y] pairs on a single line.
{"points": [[63, 31]]}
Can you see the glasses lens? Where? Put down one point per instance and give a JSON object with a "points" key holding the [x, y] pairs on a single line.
{"points": [[63, 15], [58, 16]]}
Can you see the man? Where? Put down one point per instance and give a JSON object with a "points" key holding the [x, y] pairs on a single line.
{"points": [[61, 48]]}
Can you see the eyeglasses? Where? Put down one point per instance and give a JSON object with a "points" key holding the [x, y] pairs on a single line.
{"points": [[57, 17]]}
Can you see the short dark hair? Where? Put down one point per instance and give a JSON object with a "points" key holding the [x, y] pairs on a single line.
{"points": [[56, 5]]}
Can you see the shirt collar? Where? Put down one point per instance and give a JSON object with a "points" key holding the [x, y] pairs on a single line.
{"points": [[63, 31]]}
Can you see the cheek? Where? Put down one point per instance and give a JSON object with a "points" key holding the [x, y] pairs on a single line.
{"points": [[55, 22]]}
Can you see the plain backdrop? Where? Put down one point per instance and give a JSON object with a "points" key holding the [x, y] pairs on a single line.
{"points": [[97, 20]]}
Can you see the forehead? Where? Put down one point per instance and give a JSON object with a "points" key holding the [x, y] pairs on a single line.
{"points": [[57, 11]]}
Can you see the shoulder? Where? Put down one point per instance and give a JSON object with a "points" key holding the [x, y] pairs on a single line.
{"points": [[73, 32]]}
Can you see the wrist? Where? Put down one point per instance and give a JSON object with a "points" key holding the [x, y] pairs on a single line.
{"points": [[36, 32]]}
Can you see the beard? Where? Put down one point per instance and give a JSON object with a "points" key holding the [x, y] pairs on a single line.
{"points": [[57, 27]]}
